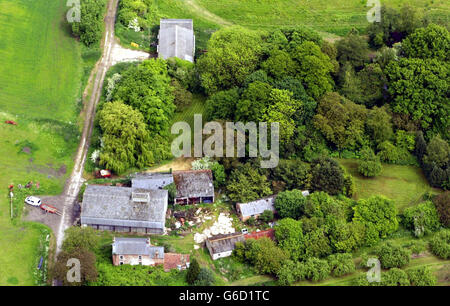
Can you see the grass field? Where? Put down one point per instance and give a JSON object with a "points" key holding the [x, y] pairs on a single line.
{"points": [[403, 184], [330, 18], [41, 72]]}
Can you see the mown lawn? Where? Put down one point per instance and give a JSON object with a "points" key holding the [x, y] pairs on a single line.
{"points": [[403, 184], [40, 83]]}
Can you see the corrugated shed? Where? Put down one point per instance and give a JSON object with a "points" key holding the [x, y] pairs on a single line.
{"points": [[257, 207]]}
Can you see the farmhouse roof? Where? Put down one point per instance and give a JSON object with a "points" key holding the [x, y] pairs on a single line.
{"points": [[136, 246], [151, 180], [258, 206], [123, 206], [176, 39], [173, 260], [194, 183], [224, 242]]}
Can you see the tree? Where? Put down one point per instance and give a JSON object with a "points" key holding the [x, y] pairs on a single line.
{"points": [[279, 64], [247, 184], [392, 256], [80, 238], [369, 164], [422, 276], [419, 88], [89, 29], [317, 244], [233, 54], [88, 270], [438, 152], [420, 146], [353, 49], [442, 203], [266, 216], [326, 175], [293, 173], [379, 125], [341, 264], [395, 277], [205, 278], [254, 102], [126, 140], [146, 87], [422, 219], [289, 235], [222, 104], [182, 97], [317, 269], [379, 215], [430, 42], [440, 244], [340, 120], [290, 204], [346, 237], [314, 68], [192, 272]]}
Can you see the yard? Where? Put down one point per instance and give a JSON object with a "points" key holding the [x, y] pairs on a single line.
{"points": [[41, 72], [403, 184]]}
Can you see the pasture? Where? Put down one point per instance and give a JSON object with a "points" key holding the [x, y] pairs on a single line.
{"points": [[41, 69]]}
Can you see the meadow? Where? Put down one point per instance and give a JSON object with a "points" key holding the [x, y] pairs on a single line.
{"points": [[41, 73]]}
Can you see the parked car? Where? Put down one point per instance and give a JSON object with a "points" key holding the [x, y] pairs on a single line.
{"points": [[34, 201]]}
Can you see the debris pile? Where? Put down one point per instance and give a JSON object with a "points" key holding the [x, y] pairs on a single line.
{"points": [[223, 225]]}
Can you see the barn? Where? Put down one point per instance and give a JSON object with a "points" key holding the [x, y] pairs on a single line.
{"points": [[176, 39], [193, 186]]}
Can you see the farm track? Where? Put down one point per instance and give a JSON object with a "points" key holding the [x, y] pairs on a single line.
{"points": [[75, 180]]}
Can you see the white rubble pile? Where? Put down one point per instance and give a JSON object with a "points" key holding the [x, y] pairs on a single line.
{"points": [[223, 225]]}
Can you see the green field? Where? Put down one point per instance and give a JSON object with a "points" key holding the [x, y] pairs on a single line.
{"points": [[41, 69], [403, 184], [330, 18]]}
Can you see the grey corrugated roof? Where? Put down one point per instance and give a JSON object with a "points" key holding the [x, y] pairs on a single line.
{"points": [[152, 180], [224, 243], [136, 246], [176, 39], [193, 183], [110, 205], [257, 207]]}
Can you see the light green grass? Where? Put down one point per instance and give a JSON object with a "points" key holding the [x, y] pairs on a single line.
{"points": [[403, 184], [40, 83]]}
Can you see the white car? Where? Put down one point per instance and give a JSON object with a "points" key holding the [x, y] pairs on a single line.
{"points": [[34, 201]]}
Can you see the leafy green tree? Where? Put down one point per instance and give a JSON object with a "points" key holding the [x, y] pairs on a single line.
{"points": [[317, 244], [395, 277], [193, 272], [340, 121], [392, 256], [279, 64], [421, 276], [89, 29], [254, 102], [247, 184], [314, 68], [233, 54], [289, 235], [205, 278], [146, 87], [126, 140], [353, 49], [219, 175], [290, 204], [341, 264], [88, 270], [379, 215], [293, 173], [430, 42], [441, 202], [326, 175], [419, 88], [440, 244], [266, 216], [182, 97], [369, 165], [422, 219], [420, 146], [222, 104], [438, 152], [346, 237], [379, 125], [80, 238], [317, 269]]}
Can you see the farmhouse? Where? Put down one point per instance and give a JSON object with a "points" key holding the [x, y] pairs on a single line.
{"points": [[151, 181], [255, 208], [124, 209], [223, 245], [136, 251], [193, 186], [176, 39], [176, 261]]}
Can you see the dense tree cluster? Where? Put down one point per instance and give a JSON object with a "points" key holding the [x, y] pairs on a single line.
{"points": [[89, 29]]}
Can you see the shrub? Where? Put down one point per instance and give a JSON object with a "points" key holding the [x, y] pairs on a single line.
{"points": [[442, 203], [341, 264], [193, 272], [205, 278], [395, 277], [422, 219], [369, 164], [317, 269], [392, 256], [440, 244], [421, 276]]}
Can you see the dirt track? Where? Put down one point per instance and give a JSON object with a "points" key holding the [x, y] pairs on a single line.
{"points": [[70, 208]]}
